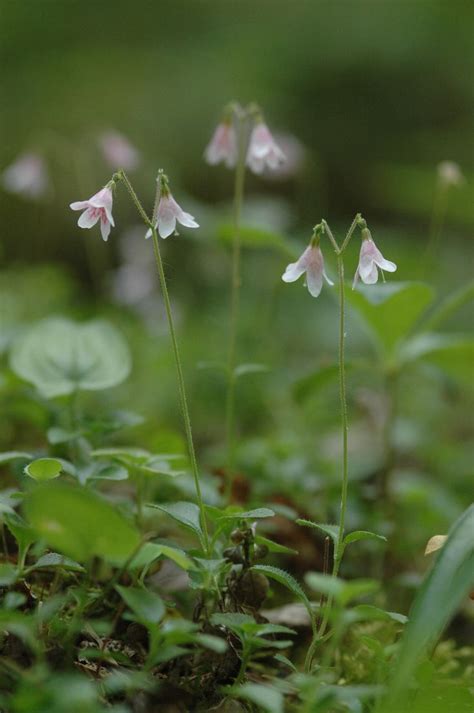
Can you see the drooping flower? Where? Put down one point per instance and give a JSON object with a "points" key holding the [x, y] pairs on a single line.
{"points": [[26, 176], [99, 207], [370, 260], [168, 211], [310, 262], [118, 151], [223, 145], [263, 151]]}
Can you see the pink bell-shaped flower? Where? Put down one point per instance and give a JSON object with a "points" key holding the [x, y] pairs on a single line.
{"points": [[370, 261], [310, 262], [263, 152], [222, 146], [97, 208]]}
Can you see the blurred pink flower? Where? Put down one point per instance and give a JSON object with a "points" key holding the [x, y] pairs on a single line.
{"points": [[168, 213], [26, 176], [370, 259], [294, 153], [222, 146], [450, 174], [311, 262], [118, 151], [263, 151], [99, 207]]}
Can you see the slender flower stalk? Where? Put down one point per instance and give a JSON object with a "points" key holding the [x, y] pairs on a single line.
{"points": [[234, 306], [151, 225], [324, 229], [181, 387]]}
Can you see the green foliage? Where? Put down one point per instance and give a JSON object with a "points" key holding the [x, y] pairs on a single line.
{"points": [[448, 582], [79, 523], [391, 310], [61, 357]]}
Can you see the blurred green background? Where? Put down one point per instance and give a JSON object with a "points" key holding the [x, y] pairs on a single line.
{"points": [[375, 94]]}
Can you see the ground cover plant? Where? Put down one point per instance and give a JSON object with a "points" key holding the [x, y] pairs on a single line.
{"points": [[131, 581]]}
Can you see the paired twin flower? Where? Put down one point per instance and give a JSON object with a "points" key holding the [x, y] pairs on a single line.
{"points": [[311, 262], [261, 150], [99, 208]]}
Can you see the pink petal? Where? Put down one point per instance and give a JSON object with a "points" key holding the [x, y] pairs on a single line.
{"points": [[104, 228], [79, 205], [89, 218]]}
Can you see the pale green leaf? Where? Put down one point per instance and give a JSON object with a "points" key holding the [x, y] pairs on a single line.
{"points": [[147, 606], [60, 357], [391, 310]]}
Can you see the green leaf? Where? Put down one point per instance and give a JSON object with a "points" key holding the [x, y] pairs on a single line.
{"points": [[274, 546], [342, 591], [110, 472], [309, 385], [362, 535], [234, 621], [53, 560], [285, 661], [452, 353], [61, 435], [8, 574], [331, 530], [186, 514], [391, 310], [279, 575], [153, 550], [147, 606], [60, 357], [368, 611], [447, 584], [267, 698], [256, 514], [213, 643], [44, 469], [79, 523], [14, 455], [21, 531], [244, 369], [449, 305], [251, 237]]}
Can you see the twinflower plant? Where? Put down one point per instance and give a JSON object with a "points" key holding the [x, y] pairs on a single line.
{"points": [[311, 262], [166, 213]]}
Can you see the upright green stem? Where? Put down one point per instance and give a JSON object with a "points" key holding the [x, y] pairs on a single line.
{"points": [[122, 176], [234, 313], [181, 387], [339, 546], [344, 426], [438, 215]]}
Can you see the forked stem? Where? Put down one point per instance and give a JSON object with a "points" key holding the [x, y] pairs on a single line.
{"points": [[339, 546], [121, 175]]}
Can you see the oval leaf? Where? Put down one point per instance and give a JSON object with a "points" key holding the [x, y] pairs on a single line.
{"points": [[60, 357], [79, 523], [44, 469]]}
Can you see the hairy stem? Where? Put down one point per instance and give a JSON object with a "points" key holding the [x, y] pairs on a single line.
{"points": [[234, 315], [339, 546], [181, 388]]}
